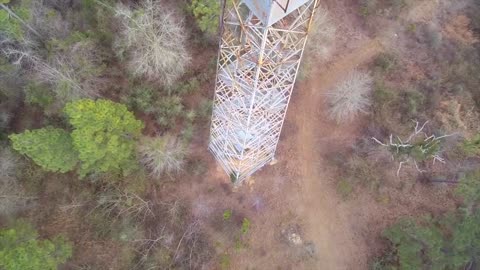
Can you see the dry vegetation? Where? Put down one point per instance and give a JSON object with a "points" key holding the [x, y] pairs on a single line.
{"points": [[152, 42], [350, 97], [394, 94]]}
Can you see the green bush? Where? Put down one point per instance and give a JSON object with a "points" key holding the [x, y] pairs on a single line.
{"points": [[21, 248], [245, 226], [413, 102], [227, 214], [344, 188], [38, 94], [169, 108], [99, 21], [471, 147], [187, 132], [50, 148], [143, 99], [186, 88], [206, 13], [225, 261], [104, 135], [383, 95], [385, 62], [469, 187], [205, 109]]}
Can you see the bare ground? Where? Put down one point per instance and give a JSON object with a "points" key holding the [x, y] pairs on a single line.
{"points": [[325, 221]]}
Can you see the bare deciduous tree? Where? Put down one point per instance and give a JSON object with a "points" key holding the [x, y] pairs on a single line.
{"points": [[162, 155], [8, 163], [48, 22], [12, 194], [152, 41], [350, 97], [4, 120], [418, 147], [74, 73]]}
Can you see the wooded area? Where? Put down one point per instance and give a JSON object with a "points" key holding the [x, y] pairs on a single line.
{"points": [[105, 109]]}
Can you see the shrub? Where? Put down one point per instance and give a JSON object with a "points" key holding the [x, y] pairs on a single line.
{"points": [[469, 188], [350, 97], [344, 188], [142, 99], [21, 248], [205, 109], [414, 101], [162, 155], [433, 36], [187, 133], [206, 13], [168, 109], [50, 148], [153, 42], [385, 62], [38, 94], [104, 135], [321, 38], [99, 21], [186, 88], [225, 261], [227, 214], [471, 147], [245, 226]]}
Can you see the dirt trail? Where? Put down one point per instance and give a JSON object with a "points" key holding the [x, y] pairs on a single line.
{"points": [[325, 223]]}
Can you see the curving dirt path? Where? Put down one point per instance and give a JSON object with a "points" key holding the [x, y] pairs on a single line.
{"points": [[325, 220]]}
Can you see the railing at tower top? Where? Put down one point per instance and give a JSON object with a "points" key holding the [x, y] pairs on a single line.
{"points": [[272, 11], [284, 8]]}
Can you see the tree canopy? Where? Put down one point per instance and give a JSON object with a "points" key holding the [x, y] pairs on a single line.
{"points": [[448, 242], [21, 248], [104, 135], [51, 148]]}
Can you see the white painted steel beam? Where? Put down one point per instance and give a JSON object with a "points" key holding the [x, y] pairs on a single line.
{"points": [[258, 64]]}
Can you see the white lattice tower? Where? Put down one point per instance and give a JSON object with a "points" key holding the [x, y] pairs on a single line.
{"points": [[261, 47]]}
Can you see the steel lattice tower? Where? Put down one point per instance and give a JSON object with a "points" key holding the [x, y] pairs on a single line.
{"points": [[261, 46]]}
